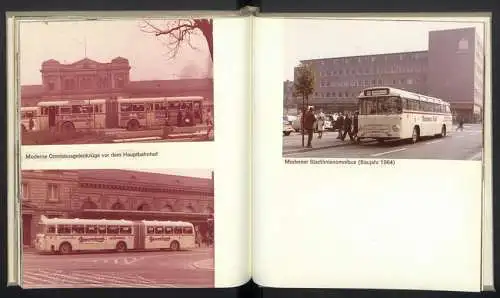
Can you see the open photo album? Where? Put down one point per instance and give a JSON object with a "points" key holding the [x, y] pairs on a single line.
{"points": [[146, 150]]}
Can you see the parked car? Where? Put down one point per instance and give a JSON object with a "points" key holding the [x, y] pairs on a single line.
{"points": [[287, 128]]}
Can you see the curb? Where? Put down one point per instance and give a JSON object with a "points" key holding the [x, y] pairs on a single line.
{"points": [[321, 148]]}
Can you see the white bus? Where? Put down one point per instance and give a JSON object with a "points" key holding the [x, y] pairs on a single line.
{"points": [[71, 115], [30, 114], [388, 113], [61, 235], [135, 113]]}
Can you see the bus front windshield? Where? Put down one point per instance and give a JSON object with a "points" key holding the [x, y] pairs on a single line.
{"points": [[382, 105]]}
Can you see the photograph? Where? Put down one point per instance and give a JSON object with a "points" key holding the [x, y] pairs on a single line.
{"points": [[117, 228], [391, 89], [115, 81]]}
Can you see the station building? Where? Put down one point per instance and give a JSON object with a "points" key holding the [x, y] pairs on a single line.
{"points": [[113, 194], [451, 69], [88, 79]]}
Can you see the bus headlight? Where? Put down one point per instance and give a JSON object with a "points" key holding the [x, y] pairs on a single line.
{"points": [[395, 128]]}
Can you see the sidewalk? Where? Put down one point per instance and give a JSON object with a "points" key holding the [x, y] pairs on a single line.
{"points": [[295, 146], [207, 264]]}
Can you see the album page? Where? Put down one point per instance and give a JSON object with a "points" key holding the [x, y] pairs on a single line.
{"points": [[376, 178], [133, 150]]}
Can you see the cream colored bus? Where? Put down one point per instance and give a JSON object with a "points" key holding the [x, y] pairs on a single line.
{"points": [[29, 114], [388, 114]]}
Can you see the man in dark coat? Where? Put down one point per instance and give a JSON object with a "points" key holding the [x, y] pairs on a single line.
{"points": [[309, 120]]}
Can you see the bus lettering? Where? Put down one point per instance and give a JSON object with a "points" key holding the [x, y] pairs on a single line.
{"points": [[159, 238], [91, 239]]}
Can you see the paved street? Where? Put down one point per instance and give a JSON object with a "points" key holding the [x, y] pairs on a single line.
{"points": [[457, 145], [155, 269]]}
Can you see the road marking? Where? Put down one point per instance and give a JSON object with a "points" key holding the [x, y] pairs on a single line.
{"points": [[433, 142], [477, 156], [136, 139], [387, 152]]}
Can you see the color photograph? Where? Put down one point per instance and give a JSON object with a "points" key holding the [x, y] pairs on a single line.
{"points": [[392, 89], [117, 228], [116, 81]]}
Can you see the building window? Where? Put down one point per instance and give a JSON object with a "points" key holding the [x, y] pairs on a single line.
{"points": [[394, 82], [380, 81], [359, 60], [340, 94], [401, 57], [333, 94], [346, 94], [327, 94], [52, 192], [373, 59], [69, 84], [374, 82], [25, 191]]}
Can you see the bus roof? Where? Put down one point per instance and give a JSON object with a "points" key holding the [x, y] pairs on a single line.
{"points": [[81, 221], [29, 108], [167, 223], [70, 102], [403, 93], [158, 99]]}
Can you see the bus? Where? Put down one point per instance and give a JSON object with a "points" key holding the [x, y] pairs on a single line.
{"points": [[71, 115], [30, 114], [392, 114], [64, 236], [135, 113]]}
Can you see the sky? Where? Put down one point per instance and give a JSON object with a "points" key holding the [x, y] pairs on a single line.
{"points": [[200, 173], [313, 39], [105, 40]]}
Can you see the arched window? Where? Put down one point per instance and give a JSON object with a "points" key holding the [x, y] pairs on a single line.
{"points": [[143, 207], [189, 209], [89, 205], [117, 206], [167, 208]]}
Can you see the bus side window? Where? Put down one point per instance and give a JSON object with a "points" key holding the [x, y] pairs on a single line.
{"points": [[168, 230], [91, 229], [187, 230], [77, 229], [44, 111], [65, 111], [178, 230], [113, 230], [101, 229], [125, 230], [150, 230], [64, 229], [51, 229], [158, 230]]}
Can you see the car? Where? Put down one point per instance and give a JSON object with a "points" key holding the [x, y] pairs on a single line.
{"points": [[287, 128]]}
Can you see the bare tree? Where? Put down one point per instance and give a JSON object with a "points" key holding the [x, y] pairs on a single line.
{"points": [[179, 33], [303, 86]]}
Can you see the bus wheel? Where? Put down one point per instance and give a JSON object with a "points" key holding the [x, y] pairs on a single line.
{"points": [[133, 125], [415, 136], [65, 248], [174, 245], [68, 127], [121, 246], [443, 131]]}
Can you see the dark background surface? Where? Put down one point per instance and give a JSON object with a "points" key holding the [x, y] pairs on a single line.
{"points": [[266, 6]]}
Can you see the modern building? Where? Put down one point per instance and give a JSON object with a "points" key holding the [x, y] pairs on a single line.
{"points": [[113, 194], [451, 69], [87, 79]]}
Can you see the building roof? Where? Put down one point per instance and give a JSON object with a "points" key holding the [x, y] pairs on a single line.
{"points": [[125, 176], [362, 56], [156, 85], [31, 90]]}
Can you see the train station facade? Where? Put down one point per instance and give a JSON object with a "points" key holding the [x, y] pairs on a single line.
{"points": [[88, 79], [113, 194], [451, 69]]}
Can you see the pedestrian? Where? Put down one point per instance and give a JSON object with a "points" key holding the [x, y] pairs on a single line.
{"points": [[179, 118], [320, 123], [355, 125], [31, 123], [347, 127], [210, 122], [309, 121], [340, 125], [460, 123]]}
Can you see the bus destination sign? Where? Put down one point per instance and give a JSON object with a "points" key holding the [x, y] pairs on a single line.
{"points": [[377, 92]]}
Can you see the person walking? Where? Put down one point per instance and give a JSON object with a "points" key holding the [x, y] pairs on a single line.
{"points": [[355, 126], [340, 125], [460, 124], [320, 123], [210, 122], [309, 122], [347, 127]]}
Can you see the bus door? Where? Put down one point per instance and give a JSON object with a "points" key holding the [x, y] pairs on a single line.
{"points": [[111, 112], [197, 111], [140, 235], [52, 111], [149, 115], [173, 111], [159, 113]]}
